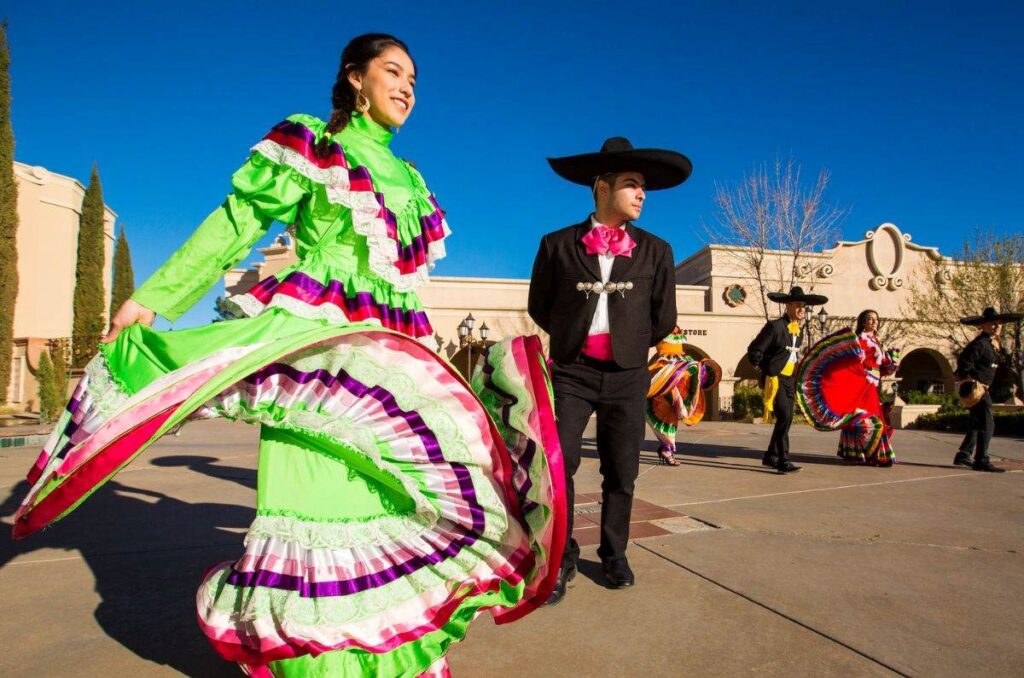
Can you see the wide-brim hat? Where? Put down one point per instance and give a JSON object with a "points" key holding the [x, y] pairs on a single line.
{"points": [[989, 315], [661, 169], [797, 294]]}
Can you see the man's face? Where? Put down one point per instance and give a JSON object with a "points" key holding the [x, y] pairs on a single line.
{"points": [[624, 193], [796, 310], [992, 329]]}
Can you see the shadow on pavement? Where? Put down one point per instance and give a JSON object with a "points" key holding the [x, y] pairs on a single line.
{"points": [[147, 552], [593, 571]]}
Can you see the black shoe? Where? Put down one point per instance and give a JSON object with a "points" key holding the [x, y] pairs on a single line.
{"points": [[787, 467], [565, 575], [986, 465], [769, 460], [962, 459], [617, 572]]}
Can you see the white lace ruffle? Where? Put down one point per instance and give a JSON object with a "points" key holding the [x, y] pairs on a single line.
{"points": [[107, 397], [311, 535], [365, 216], [249, 306]]}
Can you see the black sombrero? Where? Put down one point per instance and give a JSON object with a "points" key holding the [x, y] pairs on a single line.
{"points": [[661, 169], [989, 315], [797, 294]]}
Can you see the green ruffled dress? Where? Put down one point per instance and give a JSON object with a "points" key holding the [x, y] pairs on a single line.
{"points": [[394, 502]]}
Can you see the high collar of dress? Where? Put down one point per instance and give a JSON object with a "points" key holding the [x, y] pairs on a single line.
{"points": [[365, 126]]}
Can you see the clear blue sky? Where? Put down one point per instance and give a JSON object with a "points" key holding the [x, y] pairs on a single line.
{"points": [[915, 108]]}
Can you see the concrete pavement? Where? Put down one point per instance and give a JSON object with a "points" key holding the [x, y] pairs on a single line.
{"points": [[915, 570]]}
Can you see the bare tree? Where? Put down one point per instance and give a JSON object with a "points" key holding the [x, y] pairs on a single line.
{"points": [[773, 222], [988, 271]]}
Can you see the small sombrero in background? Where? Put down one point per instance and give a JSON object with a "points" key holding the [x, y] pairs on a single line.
{"points": [[661, 169], [970, 393], [797, 294], [989, 315]]}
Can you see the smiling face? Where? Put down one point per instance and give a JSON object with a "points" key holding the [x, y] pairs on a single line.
{"points": [[619, 197], [870, 322], [796, 310], [388, 84]]}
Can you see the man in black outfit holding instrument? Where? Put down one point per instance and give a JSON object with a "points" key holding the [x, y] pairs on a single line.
{"points": [[975, 371]]}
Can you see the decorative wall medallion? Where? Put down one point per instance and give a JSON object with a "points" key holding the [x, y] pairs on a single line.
{"points": [[885, 254], [734, 295], [821, 270]]}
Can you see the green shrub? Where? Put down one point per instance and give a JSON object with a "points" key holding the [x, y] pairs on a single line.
{"points": [[956, 421], [50, 403], [747, 403], [920, 398]]}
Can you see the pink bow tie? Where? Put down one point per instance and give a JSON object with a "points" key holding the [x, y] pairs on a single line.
{"points": [[601, 239]]}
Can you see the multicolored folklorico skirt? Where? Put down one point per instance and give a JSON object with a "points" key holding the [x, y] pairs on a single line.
{"points": [[394, 505], [676, 394], [835, 391]]}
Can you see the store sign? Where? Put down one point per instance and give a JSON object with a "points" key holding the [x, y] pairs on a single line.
{"points": [[695, 333]]}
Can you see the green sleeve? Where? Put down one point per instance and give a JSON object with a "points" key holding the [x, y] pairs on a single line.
{"points": [[264, 192]]}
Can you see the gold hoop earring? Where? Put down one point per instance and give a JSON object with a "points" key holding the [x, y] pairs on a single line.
{"points": [[362, 103]]}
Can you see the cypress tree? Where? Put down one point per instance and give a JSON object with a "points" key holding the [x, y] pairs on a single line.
{"points": [[8, 221], [124, 276], [49, 403], [59, 351], [89, 302]]}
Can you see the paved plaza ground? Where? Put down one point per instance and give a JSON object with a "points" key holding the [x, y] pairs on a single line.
{"points": [[916, 570]]}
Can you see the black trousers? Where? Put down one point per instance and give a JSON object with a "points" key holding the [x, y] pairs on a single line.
{"points": [[980, 428], [783, 408], [617, 396]]}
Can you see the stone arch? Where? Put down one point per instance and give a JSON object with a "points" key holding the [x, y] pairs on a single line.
{"points": [[925, 369], [745, 372]]}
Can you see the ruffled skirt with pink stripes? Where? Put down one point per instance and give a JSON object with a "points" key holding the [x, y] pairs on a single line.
{"points": [[396, 502]]}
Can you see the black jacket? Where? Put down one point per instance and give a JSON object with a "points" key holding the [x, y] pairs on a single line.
{"points": [[639, 318], [978, 360], [769, 352]]}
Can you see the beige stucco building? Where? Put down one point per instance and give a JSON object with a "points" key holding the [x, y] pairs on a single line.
{"points": [[717, 298], [875, 272], [49, 207]]}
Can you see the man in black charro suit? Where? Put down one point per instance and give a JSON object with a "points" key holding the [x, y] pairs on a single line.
{"points": [[975, 371], [774, 353], [604, 290]]}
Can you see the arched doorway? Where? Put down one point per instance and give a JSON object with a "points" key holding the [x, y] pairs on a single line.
{"points": [[745, 373], [713, 406], [925, 370]]}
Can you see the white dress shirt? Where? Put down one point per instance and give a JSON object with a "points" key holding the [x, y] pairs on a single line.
{"points": [[599, 324]]}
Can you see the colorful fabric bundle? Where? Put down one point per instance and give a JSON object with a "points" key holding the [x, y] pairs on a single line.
{"points": [[678, 383], [836, 392]]}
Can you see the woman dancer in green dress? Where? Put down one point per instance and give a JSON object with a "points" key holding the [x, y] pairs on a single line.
{"points": [[394, 501]]}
